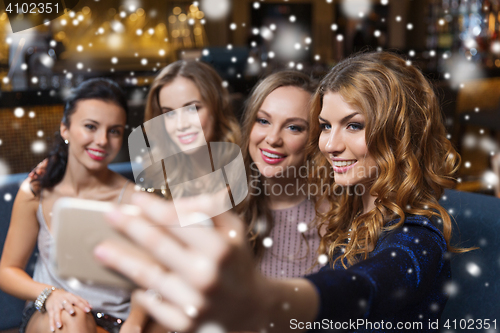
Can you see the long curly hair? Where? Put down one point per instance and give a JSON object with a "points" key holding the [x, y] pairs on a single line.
{"points": [[406, 137]]}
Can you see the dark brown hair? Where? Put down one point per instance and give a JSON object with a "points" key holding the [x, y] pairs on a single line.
{"points": [[98, 88]]}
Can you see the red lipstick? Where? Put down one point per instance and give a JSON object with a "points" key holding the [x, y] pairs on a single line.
{"points": [[96, 154], [271, 157]]}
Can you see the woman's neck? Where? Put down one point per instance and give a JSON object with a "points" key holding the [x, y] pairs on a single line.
{"points": [[368, 201], [284, 193], [81, 180], [198, 162]]}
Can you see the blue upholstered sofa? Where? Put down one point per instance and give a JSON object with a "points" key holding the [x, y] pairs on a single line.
{"points": [[475, 292]]}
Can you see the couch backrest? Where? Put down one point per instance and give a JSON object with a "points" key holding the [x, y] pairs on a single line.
{"points": [[475, 290], [10, 307]]}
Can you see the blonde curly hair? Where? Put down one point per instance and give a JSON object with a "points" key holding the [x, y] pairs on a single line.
{"points": [[406, 137]]}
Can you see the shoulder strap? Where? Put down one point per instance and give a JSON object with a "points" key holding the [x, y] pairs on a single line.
{"points": [[122, 192]]}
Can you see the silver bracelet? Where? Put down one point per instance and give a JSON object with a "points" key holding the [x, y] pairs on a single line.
{"points": [[40, 300]]}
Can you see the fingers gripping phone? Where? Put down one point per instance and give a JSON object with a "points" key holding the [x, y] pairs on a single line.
{"points": [[78, 227]]}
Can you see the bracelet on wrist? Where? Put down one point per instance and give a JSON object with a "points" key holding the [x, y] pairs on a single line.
{"points": [[40, 300]]}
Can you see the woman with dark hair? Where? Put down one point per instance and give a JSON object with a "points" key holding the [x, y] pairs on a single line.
{"points": [[177, 87], [90, 137], [386, 237]]}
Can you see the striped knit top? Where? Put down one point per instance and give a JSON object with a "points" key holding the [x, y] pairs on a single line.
{"points": [[293, 251]]}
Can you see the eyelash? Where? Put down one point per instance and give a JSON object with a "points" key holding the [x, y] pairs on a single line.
{"points": [[358, 125], [262, 121], [113, 131], [323, 126], [198, 108], [297, 128], [293, 128]]}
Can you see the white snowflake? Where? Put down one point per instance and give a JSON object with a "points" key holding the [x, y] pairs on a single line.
{"points": [[302, 227], [267, 242], [473, 269], [323, 259]]}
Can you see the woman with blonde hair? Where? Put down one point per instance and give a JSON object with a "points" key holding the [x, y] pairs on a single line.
{"points": [[387, 239], [178, 86], [278, 210], [403, 167]]}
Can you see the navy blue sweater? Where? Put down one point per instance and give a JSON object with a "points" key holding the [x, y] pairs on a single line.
{"points": [[399, 288]]}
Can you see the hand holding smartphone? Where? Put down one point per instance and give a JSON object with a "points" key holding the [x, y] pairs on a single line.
{"points": [[79, 226]]}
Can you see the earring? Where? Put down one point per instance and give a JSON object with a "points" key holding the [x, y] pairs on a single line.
{"points": [[66, 141]]}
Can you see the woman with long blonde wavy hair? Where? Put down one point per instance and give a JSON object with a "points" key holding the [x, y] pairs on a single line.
{"points": [[278, 207], [382, 160], [407, 162]]}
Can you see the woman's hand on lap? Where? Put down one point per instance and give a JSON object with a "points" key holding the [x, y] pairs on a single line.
{"points": [[60, 300]]}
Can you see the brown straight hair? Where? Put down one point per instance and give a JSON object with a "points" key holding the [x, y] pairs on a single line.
{"points": [[211, 90], [216, 99]]}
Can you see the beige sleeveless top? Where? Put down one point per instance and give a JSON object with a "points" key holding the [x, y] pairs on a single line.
{"points": [[113, 301]]}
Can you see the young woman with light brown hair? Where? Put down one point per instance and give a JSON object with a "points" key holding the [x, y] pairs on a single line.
{"points": [[178, 86], [193, 82]]}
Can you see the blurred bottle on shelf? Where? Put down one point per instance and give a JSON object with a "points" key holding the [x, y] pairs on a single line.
{"points": [[467, 27]]}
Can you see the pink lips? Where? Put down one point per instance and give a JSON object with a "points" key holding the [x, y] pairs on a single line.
{"points": [[271, 160], [343, 169], [187, 138], [91, 153]]}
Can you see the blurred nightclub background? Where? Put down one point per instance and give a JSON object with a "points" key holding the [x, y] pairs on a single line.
{"points": [[455, 42]]}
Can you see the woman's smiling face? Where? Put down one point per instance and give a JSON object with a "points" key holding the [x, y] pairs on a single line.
{"points": [[188, 128], [280, 132], [95, 133], [342, 141]]}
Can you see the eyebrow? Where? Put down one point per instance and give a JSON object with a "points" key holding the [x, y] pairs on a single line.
{"points": [[343, 120], [96, 122], [288, 120], [186, 104]]}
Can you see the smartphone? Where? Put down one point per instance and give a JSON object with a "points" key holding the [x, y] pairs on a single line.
{"points": [[78, 226]]}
